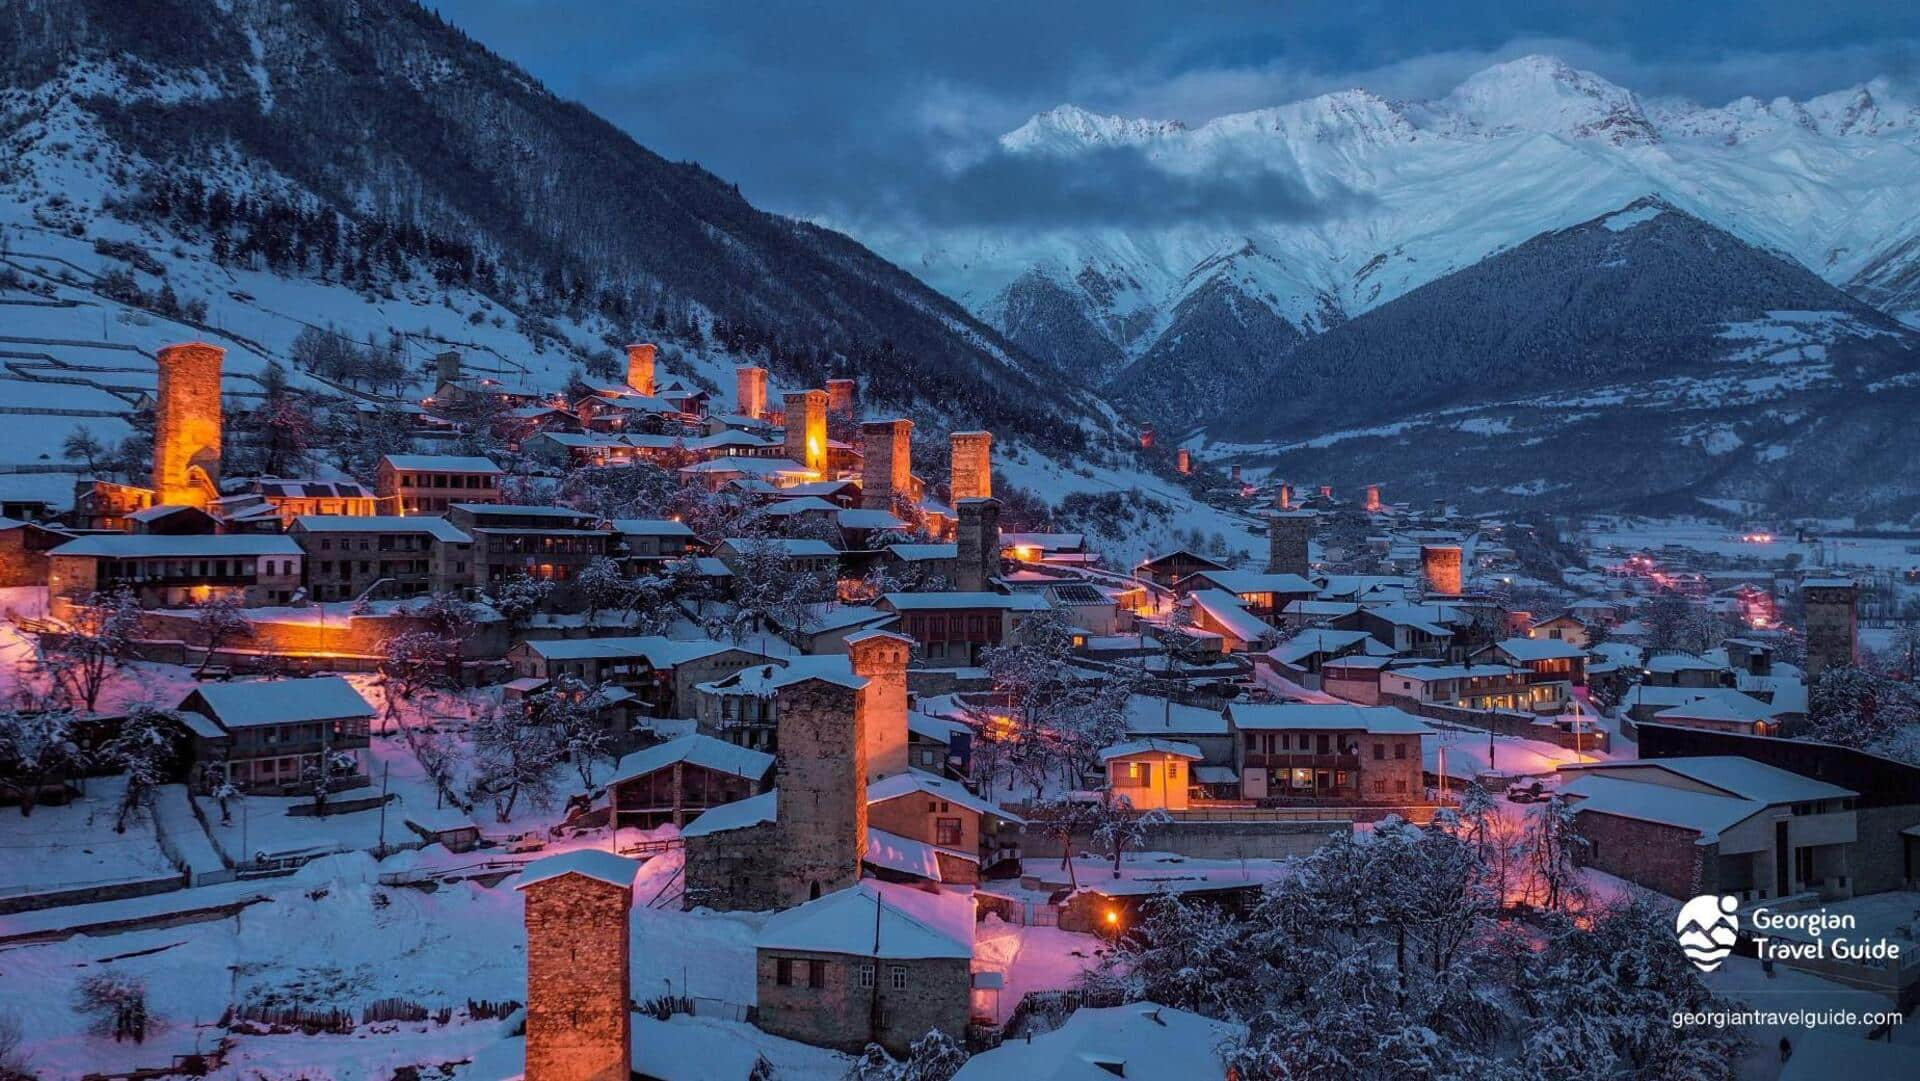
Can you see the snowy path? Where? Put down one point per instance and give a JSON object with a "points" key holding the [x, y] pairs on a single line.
{"points": [[173, 814]]}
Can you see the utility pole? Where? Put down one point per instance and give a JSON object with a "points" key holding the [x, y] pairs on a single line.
{"points": [[381, 850]]}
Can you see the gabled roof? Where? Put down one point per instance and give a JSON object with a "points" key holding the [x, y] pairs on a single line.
{"points": [[438, 528], [914, 553], [591, 862], [869, 519], [1538, 649], [1151, 746], [195, 545], [915, 782], [650, 527], [441, 463], [1255, 582], [1291, 716], [1736, 776], [933, 602], [791, 547], [871, 920], [278, 701], [1225, 609], [1142, 1041], [696, 750], [740, 814]]}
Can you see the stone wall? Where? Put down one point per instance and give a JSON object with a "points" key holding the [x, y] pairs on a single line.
{"points": [[734, 869], [1831, 627], [978, 539], [842, 1014], [1440, 564], [22, 563], [1878, 858], [640, 357], [821, 772], [843, 397], [882, 660], [578, 1023], [1661, 858]]}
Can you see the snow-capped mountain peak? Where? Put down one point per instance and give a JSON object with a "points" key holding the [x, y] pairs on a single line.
{"points": [[1544, 95], [1069, 128]]}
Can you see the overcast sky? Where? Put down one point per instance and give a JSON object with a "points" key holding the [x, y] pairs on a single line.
{"points": [[855, 108]]}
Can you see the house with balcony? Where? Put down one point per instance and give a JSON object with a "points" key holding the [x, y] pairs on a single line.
{"points": [[549, 543], [1553, 669], [274, 736], [406, 556], [954, 630], [431, 483], [1297, 752], [176, 571], [1468, 686], [1265, 595]]}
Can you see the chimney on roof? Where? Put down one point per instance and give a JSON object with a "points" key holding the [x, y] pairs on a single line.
{"points": [[640, 357]]}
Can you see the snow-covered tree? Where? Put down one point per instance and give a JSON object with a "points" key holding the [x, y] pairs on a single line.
{"points": [[603, 587], [413, 661], [1186, 955], [145, 746], [1865, 710], [570, 708], [933, 1057], [37, 748], [98, 639], [115, 1004], [517, 598], [81, 445], [1117, 827], [1554, 848], [221, 621], [514, 759], [1063, 819]]}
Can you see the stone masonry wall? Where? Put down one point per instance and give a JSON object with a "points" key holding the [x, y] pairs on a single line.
{"points": [[186, 424], [1661, 858], [886, 468], [821, 772], [842, 1014], [972, 465]]}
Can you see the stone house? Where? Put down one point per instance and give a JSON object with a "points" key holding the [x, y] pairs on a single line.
{"points": [[1167, 569], [413, 555], [23, 552], [954, 630], [875, 963], [1715, 824], [550, 543], [293, 498], [270, 735], [103, 504], [175, 571], [663, 672], [1291, 752], [430, 483], [1468, 686], [652, 540]]}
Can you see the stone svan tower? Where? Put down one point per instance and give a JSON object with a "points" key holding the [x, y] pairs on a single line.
{"points": [[843, 397], [640, 357], [821, 775], [447, 366], [1832, 623], [1287, 535], [977, 538], [880, 657], [886, 469], [186, 425], [1283, 497], [579, 983], [972, 465], [807, 428], [1440, 565], [750, 391]]}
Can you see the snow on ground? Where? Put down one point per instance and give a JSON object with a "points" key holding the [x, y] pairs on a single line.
{"points": [[1031, 958], [74, 846]]}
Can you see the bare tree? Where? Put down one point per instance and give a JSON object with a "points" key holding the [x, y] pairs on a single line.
{"points": [[220, 620]]}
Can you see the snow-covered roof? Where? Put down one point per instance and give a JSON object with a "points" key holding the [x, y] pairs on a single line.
{"points": [[1538, 649], [923, 602], [186, 546], [915, 782], [441, 463], [741, 463], [752, 811], [438, 528], [1704, 813], [1225, 609], [592, 862], [1317, 640], [873, 920], [518, 510], [765, 679], [1150, 746], [1668, 663], [1275, 716], [656, 650], [650, 527], [791, 547], [915, 553], [1736, 776], [1427, 673], [1044, 541], [1740, 710], [278, 701], [786, 508], [869, 519], [908, 856], [1141, 1040], [698, 750], [1149, 716], [1256, 582]]}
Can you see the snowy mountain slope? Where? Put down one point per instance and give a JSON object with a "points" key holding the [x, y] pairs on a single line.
{"points": [[1412, 191], [370, 144], [120, 122], [1641, 359]]}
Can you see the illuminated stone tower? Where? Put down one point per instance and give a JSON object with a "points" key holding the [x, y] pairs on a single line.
{"points": [[886, 469], [640, 357], [186, 425], [972, 454], [1283, 497], [579, 983], [1374, 505], [881, 658], [750, 390], [807, 428], [1441, 565], [1185, 460]]}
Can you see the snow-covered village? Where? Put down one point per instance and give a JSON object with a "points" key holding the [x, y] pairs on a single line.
{"points": [[1415, 583]]}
